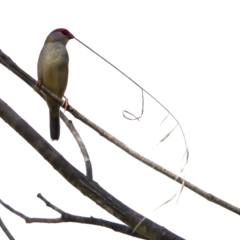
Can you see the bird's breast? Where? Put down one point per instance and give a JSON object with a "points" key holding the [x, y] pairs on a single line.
{"points": [[54, 55], [53, 67]]}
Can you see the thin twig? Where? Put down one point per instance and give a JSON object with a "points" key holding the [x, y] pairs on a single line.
{"points": [[48, 204], [4, 228]]}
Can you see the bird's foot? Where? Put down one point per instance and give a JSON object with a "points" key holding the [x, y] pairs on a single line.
{"points": [[38, 84], [65, 103]]}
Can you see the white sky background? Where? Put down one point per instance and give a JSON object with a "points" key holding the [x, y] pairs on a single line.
{"points": [[186, 54]]}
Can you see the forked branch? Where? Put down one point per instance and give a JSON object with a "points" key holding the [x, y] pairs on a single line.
{"points": [[88, 187], [67, 217]]}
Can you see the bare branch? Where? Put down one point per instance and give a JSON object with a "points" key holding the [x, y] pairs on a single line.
{"points": [[4, 228], [48, 204], [67, 217], [6, 61], [93, 190]]}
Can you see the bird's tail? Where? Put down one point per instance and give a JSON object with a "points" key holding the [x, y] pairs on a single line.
{"points": [[54, 127]]}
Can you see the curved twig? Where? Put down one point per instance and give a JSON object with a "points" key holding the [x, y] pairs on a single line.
{"points": [[80, 144]]}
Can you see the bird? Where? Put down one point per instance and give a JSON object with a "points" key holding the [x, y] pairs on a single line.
{"points": [[52, 69]]}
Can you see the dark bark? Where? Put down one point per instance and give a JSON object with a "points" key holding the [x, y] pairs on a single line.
{"points": [[91, 189]]}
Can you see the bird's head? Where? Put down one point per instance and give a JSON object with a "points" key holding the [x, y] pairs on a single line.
{"points": [[59, 35]]}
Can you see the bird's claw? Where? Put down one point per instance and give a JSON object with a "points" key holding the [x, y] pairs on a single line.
{"points": [[38, 84], [65, 103]]}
